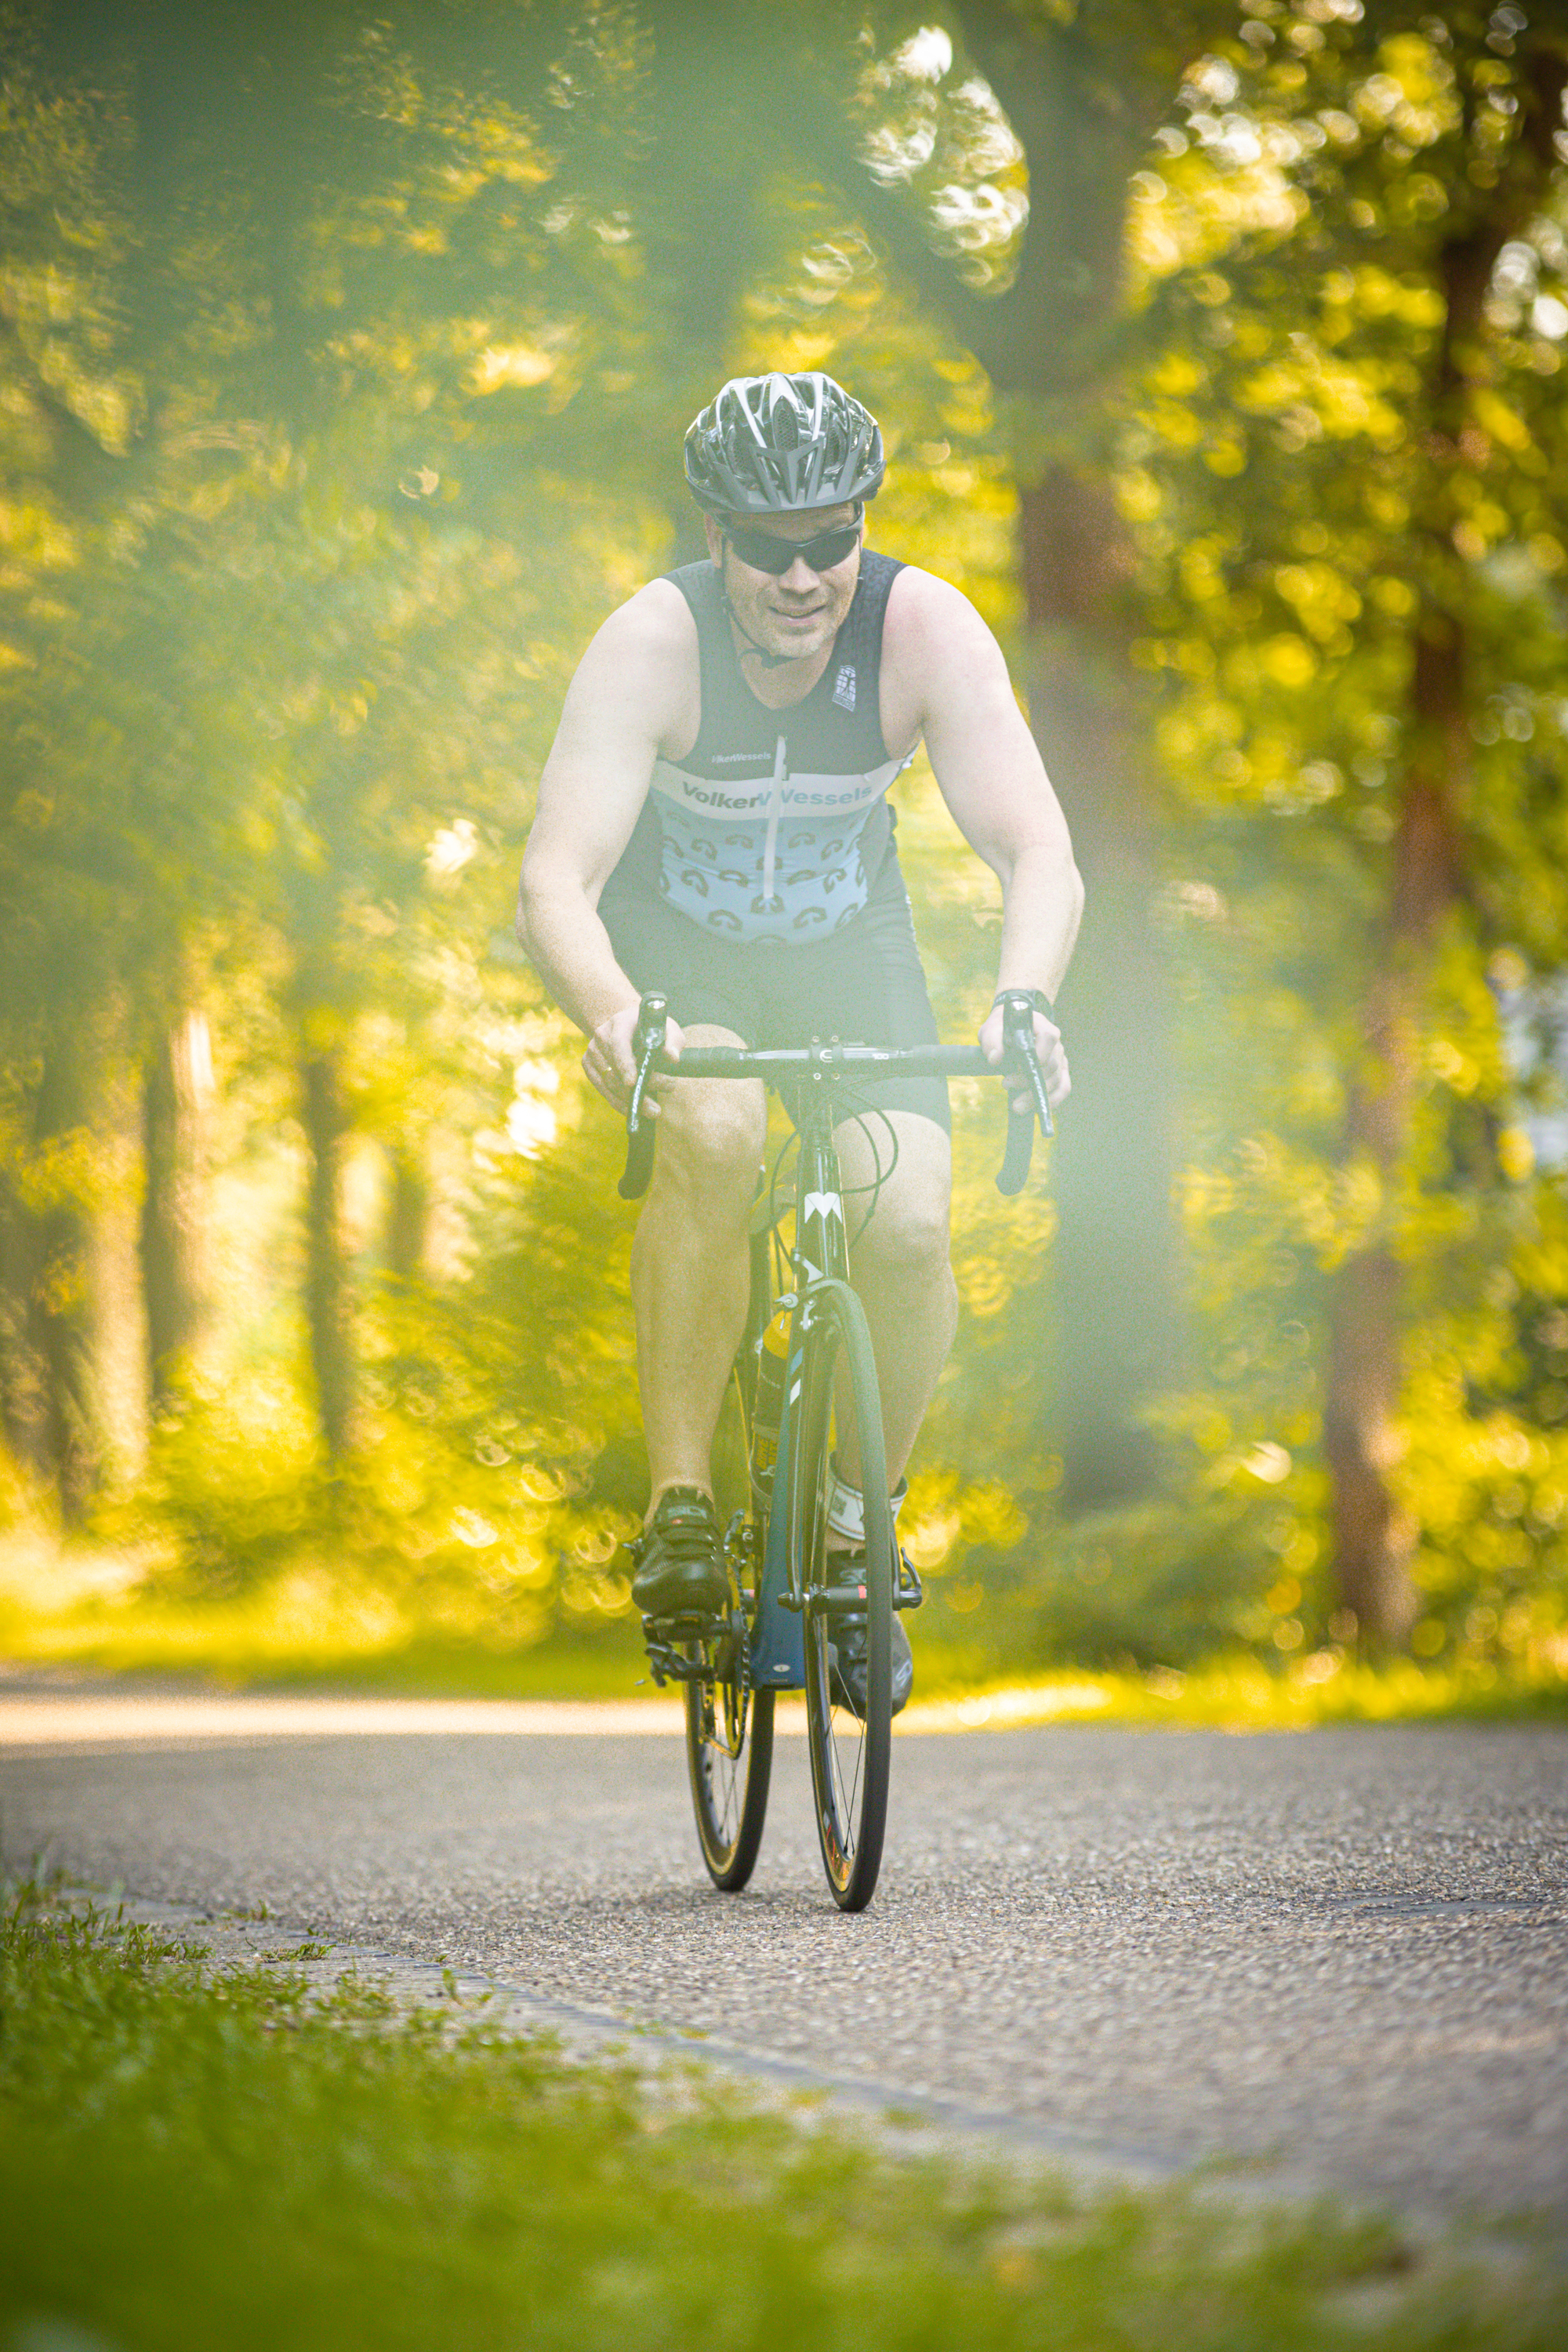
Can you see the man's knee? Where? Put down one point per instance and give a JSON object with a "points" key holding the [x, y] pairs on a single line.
{"points": [[711, 1136], [909, 1231]]}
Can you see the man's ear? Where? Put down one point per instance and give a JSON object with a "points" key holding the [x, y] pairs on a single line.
{"points": [[715, 541]]}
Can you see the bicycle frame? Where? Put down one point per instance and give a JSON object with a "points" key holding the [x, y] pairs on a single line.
{"points": [[821, 1250], [821, 1254], [790, 1622]]}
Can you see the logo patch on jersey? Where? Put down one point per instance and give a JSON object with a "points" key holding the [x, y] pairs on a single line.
{"points": [[844, 688]]}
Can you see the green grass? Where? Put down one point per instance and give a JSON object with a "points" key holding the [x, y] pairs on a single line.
{"points": [[615, 1668], [321, 1626], [1240, 1695], [952, 1692], [190, 2159]]}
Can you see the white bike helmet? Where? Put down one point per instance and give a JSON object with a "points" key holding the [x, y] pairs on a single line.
{"points": [[783, 445]]}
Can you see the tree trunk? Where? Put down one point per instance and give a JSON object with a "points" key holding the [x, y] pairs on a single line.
{"points": [[408, 1214], [1054, 348], [114, 1273], [1374, 1537], [175, 1084], [1113, 1259], [328, 1298], [1111, 1166], [60, 1319], [21, 1374]]}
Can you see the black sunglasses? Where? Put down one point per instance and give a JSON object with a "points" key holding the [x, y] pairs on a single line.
{"points": [[764, 553]]}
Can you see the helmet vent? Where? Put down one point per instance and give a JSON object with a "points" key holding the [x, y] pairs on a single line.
{"points": [[783, 443]]}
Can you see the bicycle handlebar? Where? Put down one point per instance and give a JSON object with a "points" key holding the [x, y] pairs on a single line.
{"points": [[775, 1062], [863, 1063]]}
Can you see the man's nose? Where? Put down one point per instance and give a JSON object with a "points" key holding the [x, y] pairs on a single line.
{"points": [[800, 577]]}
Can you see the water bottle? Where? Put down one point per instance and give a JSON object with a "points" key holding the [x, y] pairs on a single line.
{"points": [[767, 1402]]}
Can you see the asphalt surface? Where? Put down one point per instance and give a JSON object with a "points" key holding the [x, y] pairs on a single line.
{"points": [[1341, 1956]]}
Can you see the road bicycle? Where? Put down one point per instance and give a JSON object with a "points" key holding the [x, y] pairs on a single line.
{"points": [[811, 1415]]}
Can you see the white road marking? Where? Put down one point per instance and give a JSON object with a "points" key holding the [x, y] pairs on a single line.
{"points": [[38, 1720], [97, 1720]]}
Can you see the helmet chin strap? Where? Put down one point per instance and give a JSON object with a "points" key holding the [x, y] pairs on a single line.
{"points": [[759, 652]]}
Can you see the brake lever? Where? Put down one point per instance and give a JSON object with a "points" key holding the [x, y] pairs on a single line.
{"points": [[1019, 1031], [642, 1129], [1018, 1027]]}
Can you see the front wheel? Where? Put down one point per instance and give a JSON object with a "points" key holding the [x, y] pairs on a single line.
{"points": [[729, 1738], [848, 1619]]}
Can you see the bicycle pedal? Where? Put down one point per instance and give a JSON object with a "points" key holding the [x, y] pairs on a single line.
{"points": [[668, 1664]]}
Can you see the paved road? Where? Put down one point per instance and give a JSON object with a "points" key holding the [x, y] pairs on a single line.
{"points": [[1344, 1953]]}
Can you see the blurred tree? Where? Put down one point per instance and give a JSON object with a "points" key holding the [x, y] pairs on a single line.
{"points": [[176, 1078], [1500, 108], [1373, 554], [344, 373], [996, 171], [240, 266], [58, 1195]]}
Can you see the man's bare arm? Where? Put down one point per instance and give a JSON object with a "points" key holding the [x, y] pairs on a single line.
{"points": [[994, 782], [623, 704]]}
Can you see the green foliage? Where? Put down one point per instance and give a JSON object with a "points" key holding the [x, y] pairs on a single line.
{"points": [[1317, 490], [332, 426], [192, 2157]]}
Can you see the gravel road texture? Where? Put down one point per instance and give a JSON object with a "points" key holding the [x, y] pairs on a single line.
{"points": [[1339, 1957]]}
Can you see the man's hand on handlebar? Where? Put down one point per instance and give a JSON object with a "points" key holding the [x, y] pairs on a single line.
{"points": [[1018, 1044], [610, 1065], [1048, 1046]]}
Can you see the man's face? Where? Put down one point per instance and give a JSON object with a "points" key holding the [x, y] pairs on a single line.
{"points": [[796, 613]]}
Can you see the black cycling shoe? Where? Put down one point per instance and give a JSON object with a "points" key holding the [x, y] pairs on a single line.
{"points": [[850, 1642], [679, 1560]]}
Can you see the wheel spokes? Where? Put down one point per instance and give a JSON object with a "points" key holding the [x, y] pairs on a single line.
{"points": [[839, 1718], [836, 1798], [847, 1725]]}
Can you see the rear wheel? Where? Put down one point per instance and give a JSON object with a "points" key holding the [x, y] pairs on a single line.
{"points": [[730, 1735], [848, 1628]]}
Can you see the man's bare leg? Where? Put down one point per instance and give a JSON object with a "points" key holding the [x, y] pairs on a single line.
{"points": [[689, 1264], [903, 1270]]}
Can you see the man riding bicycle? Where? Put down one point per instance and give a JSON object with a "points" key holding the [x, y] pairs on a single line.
{"points": [[713, 823]]}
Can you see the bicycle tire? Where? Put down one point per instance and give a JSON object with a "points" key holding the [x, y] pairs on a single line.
{"points": [[850, 1754], [731, 1812], [730, 1737]]}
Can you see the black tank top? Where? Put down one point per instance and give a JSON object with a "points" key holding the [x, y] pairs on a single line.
{"points": [[775, 823]]}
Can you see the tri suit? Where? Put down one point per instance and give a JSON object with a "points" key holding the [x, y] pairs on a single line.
{"points": [[760, 888]]}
